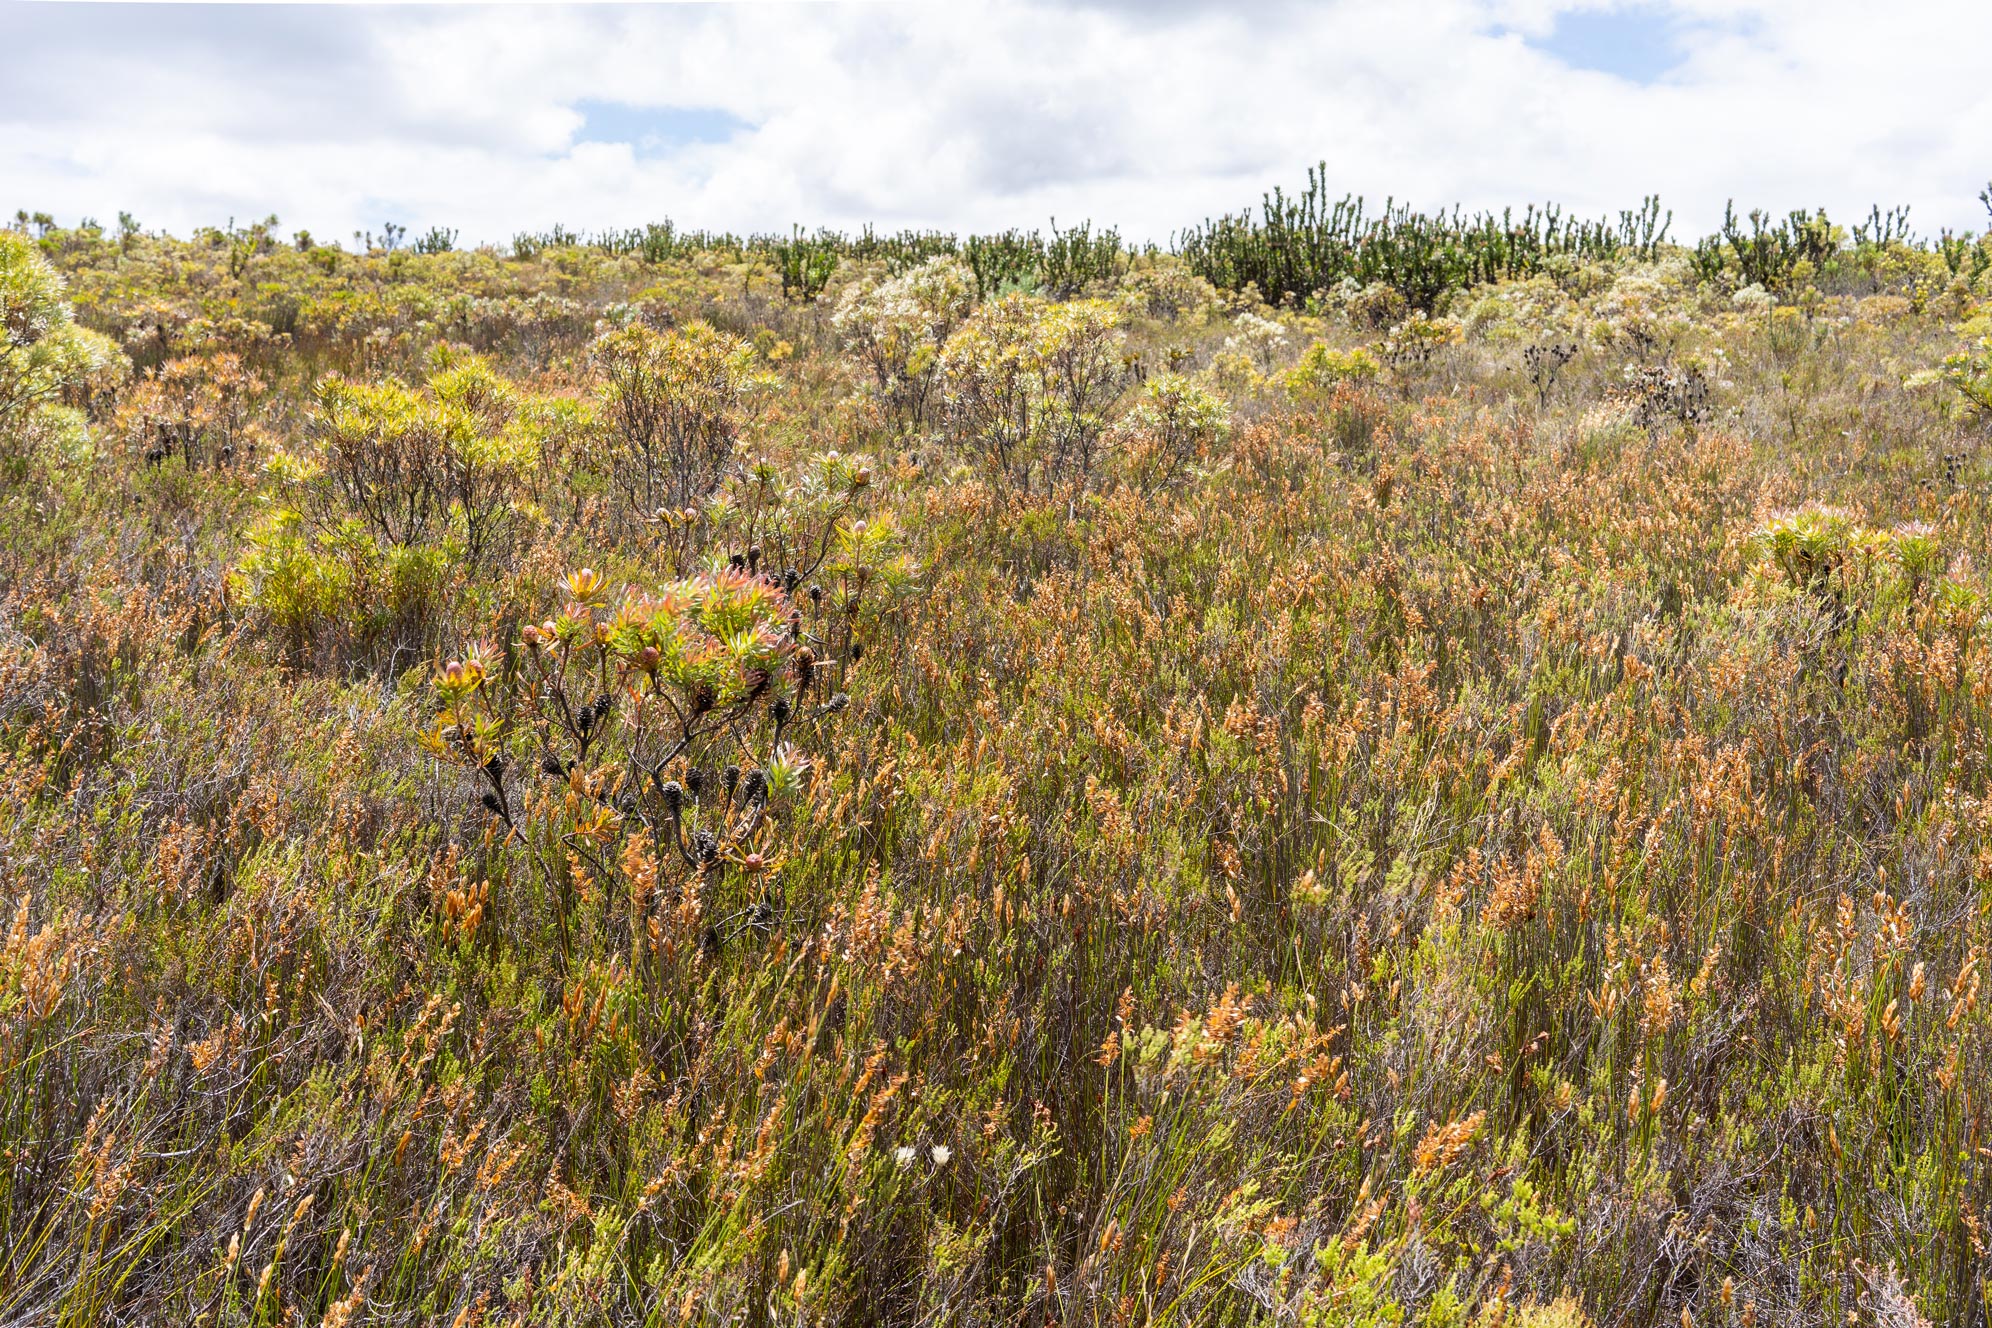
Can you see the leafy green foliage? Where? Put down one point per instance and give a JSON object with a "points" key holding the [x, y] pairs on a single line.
{"points": [[1311, 242], [1969, 372], [44, 356]]}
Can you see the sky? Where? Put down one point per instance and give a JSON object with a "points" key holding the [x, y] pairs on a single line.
{"points": [[982, 114]]}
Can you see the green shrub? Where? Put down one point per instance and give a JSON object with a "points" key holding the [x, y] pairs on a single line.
{"points": [[409, 495], [665, 725], [1969, 373], [1322, 369], [672, 408], [44, 356], [419, 464], [1028, 388]]}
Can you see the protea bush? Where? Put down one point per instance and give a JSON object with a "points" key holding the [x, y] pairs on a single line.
{"points": [[670, 716]]}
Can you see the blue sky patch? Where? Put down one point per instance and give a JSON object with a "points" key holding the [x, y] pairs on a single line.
{"points": [[655, 129], [1640, 44]]}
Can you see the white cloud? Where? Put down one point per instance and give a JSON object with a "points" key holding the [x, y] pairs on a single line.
{"points": [[1149, 115]]}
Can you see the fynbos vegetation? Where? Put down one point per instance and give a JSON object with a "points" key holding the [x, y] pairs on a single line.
{"points": [[1381, 768]]}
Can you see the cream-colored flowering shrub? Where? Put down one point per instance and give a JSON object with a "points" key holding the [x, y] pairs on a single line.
{"points": [[894, 332]]}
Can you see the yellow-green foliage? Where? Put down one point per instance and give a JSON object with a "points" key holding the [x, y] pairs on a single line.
{"points": [[397, 493], [1322, 369], [1969, 372], [45, 358], [417, 464], [673, 403], [310, 580], [1175, 423], [1027, 388]]}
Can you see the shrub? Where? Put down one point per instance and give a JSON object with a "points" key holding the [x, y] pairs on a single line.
{"points": [[672, 404], [200, 408], [1076, 260], [805, 264], [419, 464], [44, 355], [1169, 290], [645, 743], [1176, 422], [339, 586], [1321, 369], [1418, 341], [1776, 256], [1969, 374], [1310, 241], [896, 330], [817, 532], [1376, 307], [1028, 387], [1259, 339], [1657, 394], [1809, 546], [410, 493]]}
